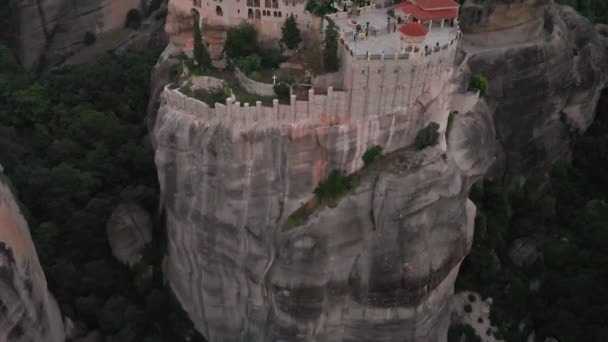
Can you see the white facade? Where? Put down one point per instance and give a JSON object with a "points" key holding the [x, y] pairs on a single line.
{"points": [[266, 15]]}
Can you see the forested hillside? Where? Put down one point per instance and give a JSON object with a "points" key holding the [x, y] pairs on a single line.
{"points": [[540, 248], [73, 144]]}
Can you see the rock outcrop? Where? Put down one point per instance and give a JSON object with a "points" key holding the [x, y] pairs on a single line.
{"points": [[48, 32], [129, 229], [378, 266], [28, 312], [546, 66]]}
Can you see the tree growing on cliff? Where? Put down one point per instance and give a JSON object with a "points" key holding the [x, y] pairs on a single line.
{"points": [[428, 136], [291, 37], [331, 61], [201, 55], [479, 82]]}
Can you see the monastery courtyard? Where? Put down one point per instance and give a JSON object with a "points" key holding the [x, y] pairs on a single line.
{"points": [[380, 40]]}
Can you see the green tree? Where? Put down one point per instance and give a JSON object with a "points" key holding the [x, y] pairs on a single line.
{"points": [[201, 55], [371, 154], [330, 48], [290, 33], [479, 82], [282, 91], [320, 8], [428, 136], [241, 41], [336, 184]]}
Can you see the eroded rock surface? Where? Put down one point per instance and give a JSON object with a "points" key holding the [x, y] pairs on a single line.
{"points": [[546, 70], [28, 312], [48, 32], [129, 229], [379, 266]]}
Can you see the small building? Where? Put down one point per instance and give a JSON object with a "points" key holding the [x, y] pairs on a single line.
{"points": [[428, 12], [412, 36]]}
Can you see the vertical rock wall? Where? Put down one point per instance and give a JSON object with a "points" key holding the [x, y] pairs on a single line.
{"points": [[28, 312], [544, 81], [49, 31], [380, 265]]}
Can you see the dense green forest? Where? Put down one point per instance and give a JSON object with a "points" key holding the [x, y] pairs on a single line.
{"points": [[559, 289], [73, 144], [595, 10]]}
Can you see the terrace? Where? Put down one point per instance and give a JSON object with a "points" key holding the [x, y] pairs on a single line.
{"points": [[383, 36]]}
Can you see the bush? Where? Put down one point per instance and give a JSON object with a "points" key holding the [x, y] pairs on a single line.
{"points": [[211, 96], [282, 91], [133, 19], [271, 58], [89, 38], [371, 154], [428, 136], [241, 41], [250, 64], [336, 184], [480, 83], [320, 8]]}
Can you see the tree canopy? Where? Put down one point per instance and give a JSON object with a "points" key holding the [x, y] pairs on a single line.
{"points": [[290, 37], [73, 144]]}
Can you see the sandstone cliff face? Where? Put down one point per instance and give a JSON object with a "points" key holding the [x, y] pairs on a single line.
{"points": [[28, 312], [50, 31], [545, 73], [379, 266]]}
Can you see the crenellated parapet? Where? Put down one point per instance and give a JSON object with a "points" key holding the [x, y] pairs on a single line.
{"points": [[373, 87]]}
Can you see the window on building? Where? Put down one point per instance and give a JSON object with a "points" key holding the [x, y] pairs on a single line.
{"points": [[268, 3], [256, 3], [257, 14], [279, 14], [250, 13], [193, 3], [275, 3], [250, 3], [238, 11], [218, 11]]}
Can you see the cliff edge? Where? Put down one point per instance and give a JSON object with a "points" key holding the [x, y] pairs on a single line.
{"points": [[546, 70], [28, 311]]}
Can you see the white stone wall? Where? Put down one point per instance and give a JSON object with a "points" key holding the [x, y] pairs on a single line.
{"points": [[254, 87], [373, 88]]}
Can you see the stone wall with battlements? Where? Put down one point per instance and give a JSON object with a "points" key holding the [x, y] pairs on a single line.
{"points": [[373, 88]]}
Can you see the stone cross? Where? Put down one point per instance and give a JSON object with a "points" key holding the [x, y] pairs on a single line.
{"points": [[274, 79]]}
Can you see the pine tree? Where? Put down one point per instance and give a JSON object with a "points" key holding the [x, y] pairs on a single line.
{"points": [[201, 55], [330, 51], [290, 33]]}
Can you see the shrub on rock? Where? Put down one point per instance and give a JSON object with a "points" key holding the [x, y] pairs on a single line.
{"points": [[428, 136]]}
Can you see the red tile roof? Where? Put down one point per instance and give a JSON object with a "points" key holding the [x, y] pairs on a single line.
{"points": [[413, 29], [420, 13], [437, 4]]}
